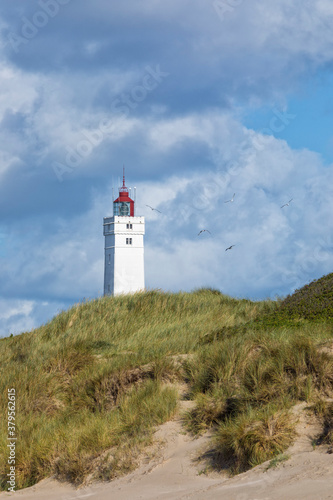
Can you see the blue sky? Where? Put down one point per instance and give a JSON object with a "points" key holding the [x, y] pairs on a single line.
{"points": [[200, 100], [312, 105]]}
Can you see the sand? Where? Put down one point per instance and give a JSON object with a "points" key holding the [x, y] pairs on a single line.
{"points": [[176, 474]]}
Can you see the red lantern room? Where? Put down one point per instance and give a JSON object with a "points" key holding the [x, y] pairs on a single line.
{"points": [[123, 205]]}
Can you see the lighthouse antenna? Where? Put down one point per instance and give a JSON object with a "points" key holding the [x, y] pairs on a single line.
{"points": [[123, 175]]}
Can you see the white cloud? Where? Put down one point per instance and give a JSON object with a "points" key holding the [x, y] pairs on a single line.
{"points": [[276, 250], [218, 69], [14, 308], [69, 261], [18, 90], [17, 315]]}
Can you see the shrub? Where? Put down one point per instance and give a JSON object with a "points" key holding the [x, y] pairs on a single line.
{"points": [[254, 437]]}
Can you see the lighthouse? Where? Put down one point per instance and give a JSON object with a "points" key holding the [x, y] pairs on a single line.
{"points": [[123, 250]]}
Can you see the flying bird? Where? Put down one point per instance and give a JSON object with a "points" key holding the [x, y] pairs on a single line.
{"points": [[154, 209], [204, 230], [229, 248], [287, 204], [232, 199]]}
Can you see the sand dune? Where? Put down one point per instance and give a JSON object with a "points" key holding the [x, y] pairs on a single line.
{"points": [[175, 473]]}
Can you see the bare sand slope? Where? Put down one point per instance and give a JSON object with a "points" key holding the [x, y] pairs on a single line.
{"points": [[175, 474]]}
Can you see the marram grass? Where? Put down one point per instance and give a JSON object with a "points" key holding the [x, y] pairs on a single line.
{"points": [[93, 383], [254, 436]]}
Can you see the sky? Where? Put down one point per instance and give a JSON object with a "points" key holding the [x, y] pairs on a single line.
{"points": [[202, 101]]}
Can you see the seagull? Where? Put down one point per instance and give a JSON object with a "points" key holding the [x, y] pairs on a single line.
{"points": [[204, 230], [154, 209], [287, 204], [232, 199], [229, 248]]}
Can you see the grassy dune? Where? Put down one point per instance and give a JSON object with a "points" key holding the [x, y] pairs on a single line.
{"points": [[92, 384]]}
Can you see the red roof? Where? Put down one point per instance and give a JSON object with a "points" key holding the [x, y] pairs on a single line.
{"points": [[123, 196], [123, 193]]}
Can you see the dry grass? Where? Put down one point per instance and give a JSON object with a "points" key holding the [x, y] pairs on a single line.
{"points": [[90, 384], [324, 410], [254, 437], [239, 378], [91, 380]]}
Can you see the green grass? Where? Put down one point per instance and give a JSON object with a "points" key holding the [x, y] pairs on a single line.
{"points": [[254, 436], [313, 301], [277, 461], [93, 383]]}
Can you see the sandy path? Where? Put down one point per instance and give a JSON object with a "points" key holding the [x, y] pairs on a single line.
{"points": [[175, 475]]}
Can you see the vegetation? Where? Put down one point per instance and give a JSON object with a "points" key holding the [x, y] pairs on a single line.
{"points": [[324, 410], [92, 384], [245, 386], [312, 301], [277, 461]]}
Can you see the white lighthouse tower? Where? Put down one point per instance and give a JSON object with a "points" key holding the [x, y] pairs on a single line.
{"points": [[124, 258]]}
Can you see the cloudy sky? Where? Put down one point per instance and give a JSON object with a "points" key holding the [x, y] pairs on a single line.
{"points": [[199, 99]]}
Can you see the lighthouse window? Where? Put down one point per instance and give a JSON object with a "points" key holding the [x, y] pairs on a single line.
{"points": [[129, 226], [128, 241], [121, 208]]}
